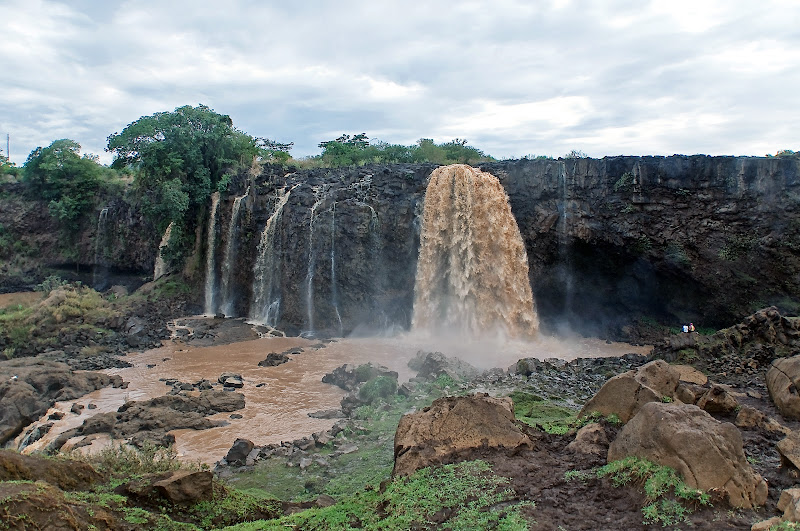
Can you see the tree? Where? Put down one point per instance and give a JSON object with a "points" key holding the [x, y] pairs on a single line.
{"points": [[457, 150], [181, 157], [59, 174], [345, 150], [272, 150]]}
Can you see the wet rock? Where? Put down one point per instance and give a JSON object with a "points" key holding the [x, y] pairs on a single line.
{"points": [[431, 365], [626, 393], [451, 425], [230, 379], [783, 378], [150, 420], [136, 332], [349, 376], [30, 386], [274, 359], [706, 452], [237, 455], [76, 408], [327, 414]]}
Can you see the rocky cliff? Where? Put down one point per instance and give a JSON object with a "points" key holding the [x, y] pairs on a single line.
{"points": [[327, 251]]}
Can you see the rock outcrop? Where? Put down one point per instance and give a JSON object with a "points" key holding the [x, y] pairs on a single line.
{"points": [[624, 394], [182, 487], [706, 452], [28, 387], [452, 425], [66, 474], [783, 377]]}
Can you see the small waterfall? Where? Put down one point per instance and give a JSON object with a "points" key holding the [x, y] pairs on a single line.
{"points": [[230, 256], [319, 196], [211, 262], [100, 271], [334, 292], [160, 269], [564, 257], [472, 273], [266, 272]]}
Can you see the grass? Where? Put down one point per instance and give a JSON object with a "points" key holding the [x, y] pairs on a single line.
{"points": [[543, 414], [461, 496], [669, 499]]}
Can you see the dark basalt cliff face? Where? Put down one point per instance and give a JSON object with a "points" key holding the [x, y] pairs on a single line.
{"points": [[677, 239]]}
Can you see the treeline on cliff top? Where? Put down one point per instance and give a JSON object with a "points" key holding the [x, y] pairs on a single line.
{"points": [[169, 163]]}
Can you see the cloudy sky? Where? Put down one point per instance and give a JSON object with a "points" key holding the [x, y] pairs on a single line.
{"points": [[542, 77]]}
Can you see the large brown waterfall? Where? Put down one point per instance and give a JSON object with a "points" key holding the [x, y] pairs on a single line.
{"points": [[472, 274]]}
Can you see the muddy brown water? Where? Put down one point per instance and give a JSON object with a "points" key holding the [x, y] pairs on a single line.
{"points": [[278, 410]]}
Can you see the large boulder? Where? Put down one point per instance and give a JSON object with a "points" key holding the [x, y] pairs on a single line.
{"points": [[626, 393], [706, 452], [452, 425], [349, 377], [183, 487], [783, 378], [431, 365]]}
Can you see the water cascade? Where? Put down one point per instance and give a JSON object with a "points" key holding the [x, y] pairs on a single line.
{"points": [[100, 271], [319, 196], [230, 256], [160, 268], [334, 293], [211, 263], [472, 273], [266, 272], [564, 259]]}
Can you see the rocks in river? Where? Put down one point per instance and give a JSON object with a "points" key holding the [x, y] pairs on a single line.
{"points": [[230, 379], [30, 386], [783, 378], [452, 425], [707, 453], [150, 420], [274, 359]]}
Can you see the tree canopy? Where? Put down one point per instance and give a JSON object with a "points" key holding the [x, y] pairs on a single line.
{"points": [[354, 150], [181, 157], [59, 174]]}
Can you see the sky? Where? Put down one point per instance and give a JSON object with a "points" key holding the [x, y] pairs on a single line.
{"points": [[514, 78]]}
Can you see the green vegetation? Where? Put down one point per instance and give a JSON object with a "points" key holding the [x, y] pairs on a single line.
{"points": [[669, 499], [60, 175], [543, 414], [460, 496], [624, 183], [357, 150]]}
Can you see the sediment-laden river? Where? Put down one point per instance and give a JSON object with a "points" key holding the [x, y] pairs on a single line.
{"points": [[278, 410]]}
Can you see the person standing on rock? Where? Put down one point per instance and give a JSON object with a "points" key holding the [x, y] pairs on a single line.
{"points": [[685, 329], [691, 327]]}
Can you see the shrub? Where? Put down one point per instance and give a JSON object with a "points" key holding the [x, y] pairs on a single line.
{"points": [[377, 388]]}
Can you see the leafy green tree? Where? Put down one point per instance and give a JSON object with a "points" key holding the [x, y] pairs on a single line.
{"points": [[458, 151], [7, 167], [274, 151], [181, 157], [346, 150], [59, 174]]}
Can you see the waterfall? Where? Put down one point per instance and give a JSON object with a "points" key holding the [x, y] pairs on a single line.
{"points": [[472, 273], [334, 292], [266, 272], [160, 269], [230, 256], [211, 263], [564, 258], [100, 271], [319, 197]]}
